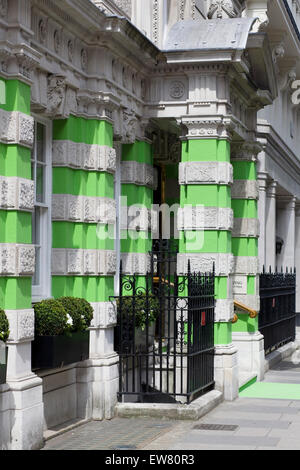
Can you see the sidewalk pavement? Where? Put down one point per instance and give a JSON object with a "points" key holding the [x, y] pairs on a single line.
{"points": [[265, 416]]}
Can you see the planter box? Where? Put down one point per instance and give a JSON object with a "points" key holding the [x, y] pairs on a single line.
{"points": [[49, 352], [3, 363]]}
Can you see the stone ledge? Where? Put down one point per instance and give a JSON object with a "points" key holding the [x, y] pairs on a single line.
{"points": [[198, 408], [63, 428], [277, 356]]}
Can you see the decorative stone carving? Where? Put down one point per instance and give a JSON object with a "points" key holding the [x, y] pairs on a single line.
{"points": [[140, 174], [57, 41], [137, 217], [3, 8], [204, 218], [177, 90], [21, 325], [16, 128], [105, 315], [129, 127], [224, 9], [56, 94], [204, 262], [245, 189], [205, 173], [42, 31], [71, 50], [135, 263], [17, 260], [246, 228], [88, 157], [79, 262], [83, 209], [16, 193], [84, 59], [208, 128]]}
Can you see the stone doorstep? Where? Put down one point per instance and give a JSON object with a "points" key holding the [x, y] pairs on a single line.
{"points": [[280, 354], [198, 408], [63, 428]]}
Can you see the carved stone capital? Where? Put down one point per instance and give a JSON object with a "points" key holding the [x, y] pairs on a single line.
{"points": [[215, 128], [245, 151]]}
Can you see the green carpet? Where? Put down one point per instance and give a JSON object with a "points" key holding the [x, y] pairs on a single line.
{"points": [[278, 391]]}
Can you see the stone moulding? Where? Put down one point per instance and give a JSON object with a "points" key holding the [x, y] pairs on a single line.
{"points": [[105, 315], [83, 156], [140, 174], [21, 325], [16, 194], [204, 218], [245, 189], [17, 260], [16, 128], [246, 265], [135, 263], [246, 228], [203, 262], [83, 209], [205, 173], [80, 262]]}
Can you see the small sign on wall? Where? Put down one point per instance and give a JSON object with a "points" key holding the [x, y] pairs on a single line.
{"points": [[239, 284]]}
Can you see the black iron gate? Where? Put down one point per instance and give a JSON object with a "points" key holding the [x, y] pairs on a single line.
{"points": [[277, 318], [165, 332]]}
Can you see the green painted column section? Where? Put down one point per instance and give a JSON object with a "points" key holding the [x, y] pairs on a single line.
{"points": [[245, 244], [132, 194], [210, 196], [82, 182], [15, 225]]}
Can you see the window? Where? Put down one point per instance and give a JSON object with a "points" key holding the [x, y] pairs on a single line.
{"points": [[41, 171]]}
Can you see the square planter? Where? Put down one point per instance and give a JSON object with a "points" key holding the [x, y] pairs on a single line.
{"points": [[3, 362], [49, 352]]}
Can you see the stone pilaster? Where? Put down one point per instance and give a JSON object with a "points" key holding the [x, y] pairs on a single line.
{"points": [[246, 267], [17, 264], [83, 252], [206, 222]]}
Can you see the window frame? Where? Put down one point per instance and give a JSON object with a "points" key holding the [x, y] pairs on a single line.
{"points": [[43, 289]]}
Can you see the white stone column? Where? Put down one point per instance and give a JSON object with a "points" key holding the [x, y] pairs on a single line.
{"points": [[297, 263], [262, 211], [270, 256], [286, 230]]}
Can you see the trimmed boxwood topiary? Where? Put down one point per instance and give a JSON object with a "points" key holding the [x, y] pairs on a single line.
{"points": [[79, 310], [50, 318], [4, 327]]}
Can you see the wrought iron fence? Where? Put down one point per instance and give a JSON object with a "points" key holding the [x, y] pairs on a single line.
{"points": [[165, 332], [277, 318]]}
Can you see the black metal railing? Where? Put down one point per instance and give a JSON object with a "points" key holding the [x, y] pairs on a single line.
{"points": [[165, 332], [277, 318]]}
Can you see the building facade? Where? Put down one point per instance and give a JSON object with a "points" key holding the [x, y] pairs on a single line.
{"points": [[103, 101]]}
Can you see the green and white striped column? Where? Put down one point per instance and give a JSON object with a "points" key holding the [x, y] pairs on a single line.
{"points": [[206, 221], [17, 261], [245, 235], [83, 253], [138, 180]]}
